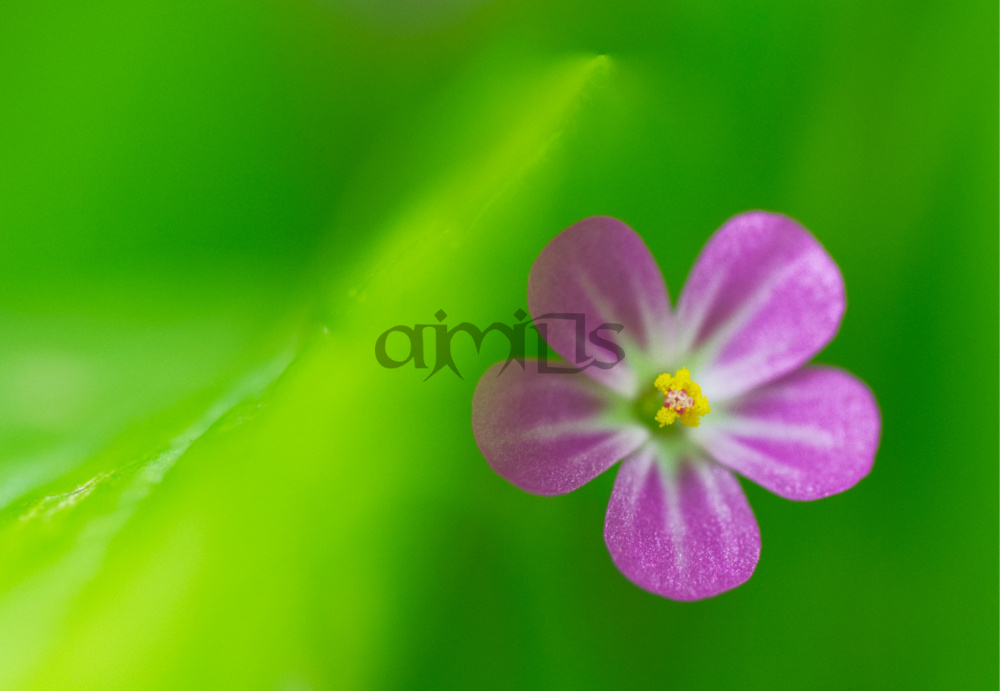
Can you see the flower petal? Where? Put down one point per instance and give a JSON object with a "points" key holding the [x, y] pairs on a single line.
{"points": [[548, 433], [806, 436], [762, 298], [681, 530], [601, 268]]}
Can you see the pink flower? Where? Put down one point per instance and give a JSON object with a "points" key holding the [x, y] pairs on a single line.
{"points": [[762, 299]]}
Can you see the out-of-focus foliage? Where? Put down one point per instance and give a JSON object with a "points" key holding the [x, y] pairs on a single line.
{"points": [[209, 211]]}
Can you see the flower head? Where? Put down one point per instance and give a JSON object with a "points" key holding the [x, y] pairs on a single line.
{"points": [[761, 300]]}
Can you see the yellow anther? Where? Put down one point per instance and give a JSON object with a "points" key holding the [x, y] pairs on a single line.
{"points": [[683, 399]]}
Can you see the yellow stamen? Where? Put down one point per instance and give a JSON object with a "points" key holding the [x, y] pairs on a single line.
{"points": [[683, 399]]}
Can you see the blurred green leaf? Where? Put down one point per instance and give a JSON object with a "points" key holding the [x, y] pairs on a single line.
{"points": [[221, 544]]}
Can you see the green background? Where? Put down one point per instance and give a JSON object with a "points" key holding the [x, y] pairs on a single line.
{"points": [[210, 210]]}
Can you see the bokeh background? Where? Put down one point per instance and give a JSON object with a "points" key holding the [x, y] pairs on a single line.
{"points": [[210, 210]]}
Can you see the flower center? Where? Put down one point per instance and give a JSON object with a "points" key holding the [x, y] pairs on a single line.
{"points": [[682, 399]]}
